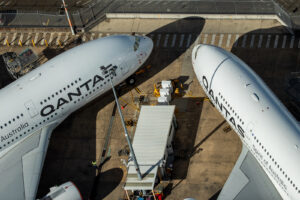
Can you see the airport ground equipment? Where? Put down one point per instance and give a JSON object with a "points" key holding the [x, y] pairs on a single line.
{"points": [[19, 65], [152, 144]]}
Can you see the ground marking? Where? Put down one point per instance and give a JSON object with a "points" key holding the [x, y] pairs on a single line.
{"points": [[189, 40], [14, 38], [244, 41], [173, 41], [236, 40], [284, 41], [252, 41], [205, 38], [276, 41], [228, 40], [158, 40], [181, 40], [268, 41], [213, 39], [260, 41], [292, 41], [221, 40], [166, 40]]}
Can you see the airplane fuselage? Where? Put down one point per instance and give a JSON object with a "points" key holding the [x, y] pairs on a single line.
{"points": [[50, 93], [264, 125]]}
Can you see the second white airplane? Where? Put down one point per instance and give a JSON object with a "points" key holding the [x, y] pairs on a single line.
{"points": [[32, 106], [269, 164]]}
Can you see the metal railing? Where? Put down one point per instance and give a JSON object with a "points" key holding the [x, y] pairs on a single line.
{"points": [[96, 11]]}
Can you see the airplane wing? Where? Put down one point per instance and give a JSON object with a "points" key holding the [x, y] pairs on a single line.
{"points": [[248, 181], [20, 167]]}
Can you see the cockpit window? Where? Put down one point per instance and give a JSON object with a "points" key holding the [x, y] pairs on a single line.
{"points": [[136, 43], [197, 52]]}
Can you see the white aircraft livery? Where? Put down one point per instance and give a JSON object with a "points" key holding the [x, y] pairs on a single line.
{"points": [[269, 164], [33, 105]]}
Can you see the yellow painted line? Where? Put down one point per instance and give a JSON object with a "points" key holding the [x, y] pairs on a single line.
{"points": [[20, 43], [33, 44], [7, 43], [46, 42]]}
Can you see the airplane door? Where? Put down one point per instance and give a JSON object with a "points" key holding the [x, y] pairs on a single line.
{"points": [[32, 111]]}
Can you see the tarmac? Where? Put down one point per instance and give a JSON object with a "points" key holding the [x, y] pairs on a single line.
{"points": [[205, 149]]}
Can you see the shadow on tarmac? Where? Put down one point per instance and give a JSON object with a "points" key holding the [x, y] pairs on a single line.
{"points": [[184, 140], [73, 143], [273, 65], [5, 77]]}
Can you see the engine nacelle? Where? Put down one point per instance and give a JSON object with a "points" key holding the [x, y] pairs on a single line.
{"points": [[66, 191]]}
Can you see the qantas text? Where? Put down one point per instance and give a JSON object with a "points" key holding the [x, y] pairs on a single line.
{"points": [[222, 107]]}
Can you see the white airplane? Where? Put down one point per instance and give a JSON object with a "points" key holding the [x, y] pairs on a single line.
{"points": [[33, 105], [269, 164]]}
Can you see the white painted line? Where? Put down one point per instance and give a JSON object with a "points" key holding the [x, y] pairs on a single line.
{"points": [[158, 40], [189, 41], [147, 3], [21, 37], [228, 40], [92, 36], [66, 37], [13, 38], [28, 39], [276, 41], [268, 41], [221, 40], [166, 40], [197, 40], [236, 40], [5, 39], [292, 42], [205, 38], [43, 39], [181, 40], [36, 38], [299, 44], [244, 41], [213, 38], [252, 41], [284, 42], [107, 34], [260, 41], [51, 38], [58, 38], [173, 41], [84, 38]]}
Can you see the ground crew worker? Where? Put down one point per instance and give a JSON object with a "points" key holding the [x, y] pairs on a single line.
{"points": [[94, 164]]}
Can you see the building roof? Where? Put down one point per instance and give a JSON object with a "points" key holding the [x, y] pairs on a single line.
{"points": [[149, 145]]}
